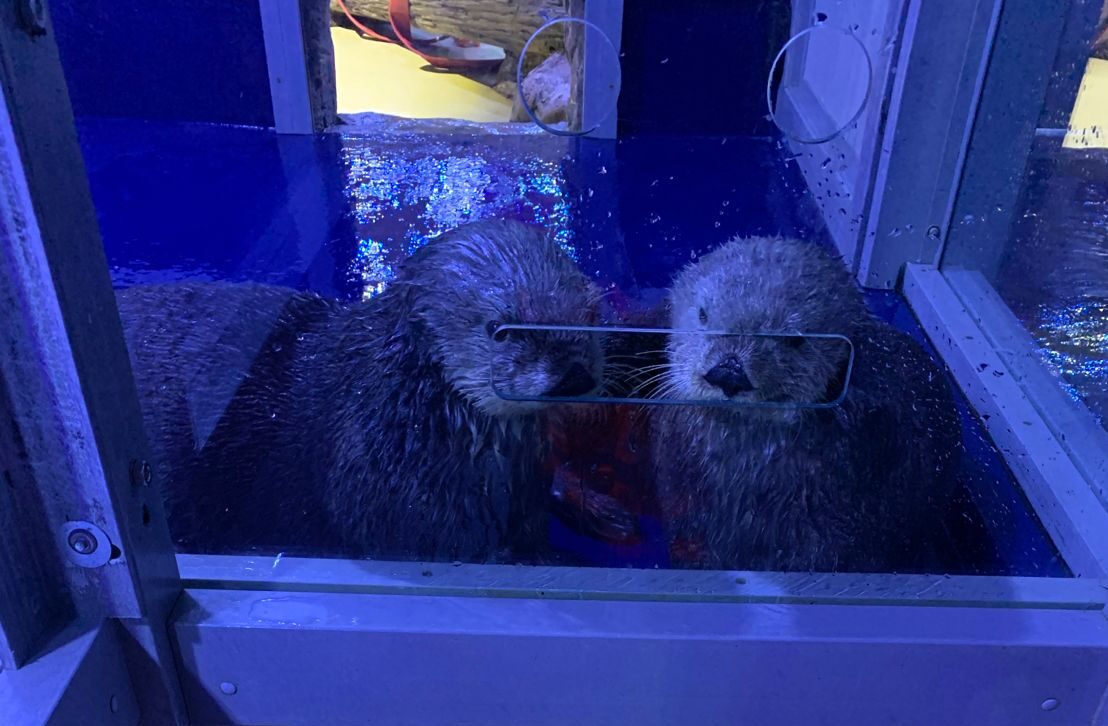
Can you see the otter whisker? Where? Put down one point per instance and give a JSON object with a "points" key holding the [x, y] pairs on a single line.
{"points": [[650, 381]]}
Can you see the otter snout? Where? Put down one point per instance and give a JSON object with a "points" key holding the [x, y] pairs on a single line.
{"points": [[729, 377], [576, 382]]}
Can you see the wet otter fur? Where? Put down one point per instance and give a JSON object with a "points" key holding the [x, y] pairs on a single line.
{"points": [[368, 428], [857, 487]]}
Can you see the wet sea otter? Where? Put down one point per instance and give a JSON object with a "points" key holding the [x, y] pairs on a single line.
{"points": [[284, 420], [855, 487]]}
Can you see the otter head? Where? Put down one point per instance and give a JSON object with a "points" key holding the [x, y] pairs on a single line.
{"points": [[762, 285], [471, 281]]}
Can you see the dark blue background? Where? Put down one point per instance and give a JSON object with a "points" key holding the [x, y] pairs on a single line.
{"points": [[198, 60]]}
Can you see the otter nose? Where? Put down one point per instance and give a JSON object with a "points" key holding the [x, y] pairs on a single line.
{"points": [[575, 382], [729, 377]]}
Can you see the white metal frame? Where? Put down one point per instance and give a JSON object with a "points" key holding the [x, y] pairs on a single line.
{"points": [[536, 648], [839, 171], [1063, 497], [81, 678]]}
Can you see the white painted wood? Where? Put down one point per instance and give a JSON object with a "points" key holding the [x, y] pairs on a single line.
{"points": [[287, 63], [1061, 495]]}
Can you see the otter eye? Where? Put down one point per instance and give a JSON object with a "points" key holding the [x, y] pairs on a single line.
{"points": [[491, 328], [703, 316]]}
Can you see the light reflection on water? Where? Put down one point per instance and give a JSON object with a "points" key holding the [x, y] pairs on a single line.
{"points": [[1056, 275], [405, 191]]}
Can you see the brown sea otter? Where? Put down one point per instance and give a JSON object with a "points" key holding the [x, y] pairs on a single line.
{"points": [[367, 428], [855, 487]]}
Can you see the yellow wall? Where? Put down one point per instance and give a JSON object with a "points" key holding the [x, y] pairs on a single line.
{"points": [[386, 78], [1089, 120]]}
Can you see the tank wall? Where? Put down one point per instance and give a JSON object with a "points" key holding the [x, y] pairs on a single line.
{"points": [[699, 66], [203, 60]]}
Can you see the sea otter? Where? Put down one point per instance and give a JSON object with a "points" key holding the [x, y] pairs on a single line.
{"points": [[854, 487], [286, 421]]}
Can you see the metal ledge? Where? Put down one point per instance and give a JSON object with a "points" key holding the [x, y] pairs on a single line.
{"points": [[1062, 496], [292, 574]]}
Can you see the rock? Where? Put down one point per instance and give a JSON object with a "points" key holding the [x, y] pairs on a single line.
{"points": [[546, 90], [507, 89]]}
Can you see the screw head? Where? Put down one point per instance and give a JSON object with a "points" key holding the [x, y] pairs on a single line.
{"points": [[85, 544], [934, 232], [82, 541], [1050, 704], [113, 704], [228, 688]]}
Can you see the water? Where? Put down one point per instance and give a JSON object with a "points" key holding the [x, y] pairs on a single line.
{"points": [[336, 213], [1055, 277]]}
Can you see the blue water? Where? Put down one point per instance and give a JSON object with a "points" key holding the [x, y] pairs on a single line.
{"points": [[1055, 273], [336, 213]]}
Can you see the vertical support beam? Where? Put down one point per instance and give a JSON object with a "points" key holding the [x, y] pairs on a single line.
{"points": [[65, 365], [600, 75], [934, 99], [288, 67]]}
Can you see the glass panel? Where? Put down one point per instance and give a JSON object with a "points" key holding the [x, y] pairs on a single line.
{"points": [[317, 323], [1027, 250], [637, 365]]}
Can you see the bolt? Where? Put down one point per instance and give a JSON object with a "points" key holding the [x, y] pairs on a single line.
{"points": [[82, 542], [934, 232], [228, 688], [141, 473], [1050, 704]]}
